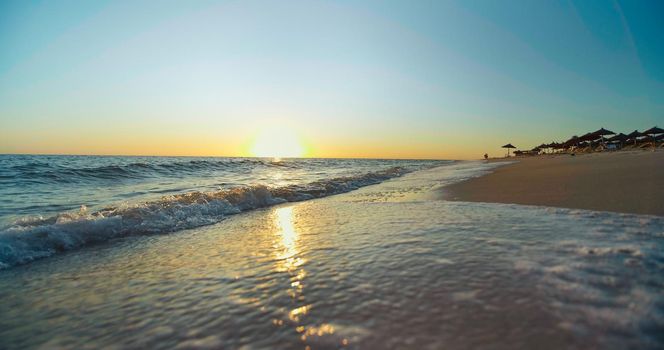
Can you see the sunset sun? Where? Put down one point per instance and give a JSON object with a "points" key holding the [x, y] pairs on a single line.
{"points": [[277, 142]]}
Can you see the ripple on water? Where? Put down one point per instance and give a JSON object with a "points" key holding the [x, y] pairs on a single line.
{"points": [[341, 273]]}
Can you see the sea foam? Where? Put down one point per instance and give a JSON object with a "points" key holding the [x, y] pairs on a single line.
{"points": [[32, 238]]}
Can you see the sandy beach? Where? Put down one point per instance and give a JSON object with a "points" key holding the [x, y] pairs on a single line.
{"points": [[626, 182]]}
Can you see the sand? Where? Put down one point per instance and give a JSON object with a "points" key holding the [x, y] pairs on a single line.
{"points": [[626, 182]]}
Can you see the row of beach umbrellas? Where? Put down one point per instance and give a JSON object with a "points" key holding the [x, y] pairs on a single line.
{"points": [[598, 135]]}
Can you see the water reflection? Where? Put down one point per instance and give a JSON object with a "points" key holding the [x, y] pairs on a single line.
{"points": [[288, 251], [289, 260], [287, 243]]}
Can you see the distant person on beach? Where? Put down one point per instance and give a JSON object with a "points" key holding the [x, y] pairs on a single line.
{"points": [[486, 156]]}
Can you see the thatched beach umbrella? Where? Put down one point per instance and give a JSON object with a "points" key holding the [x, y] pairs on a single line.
{"points": [[555, 145], [573, 141], [654, 131], [620, 138], [588, 137], [633, 135], [508, 146], [586, 140], [603, 132]]}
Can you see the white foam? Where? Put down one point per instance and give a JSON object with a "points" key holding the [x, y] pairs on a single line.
{"points": [[29, 239]]}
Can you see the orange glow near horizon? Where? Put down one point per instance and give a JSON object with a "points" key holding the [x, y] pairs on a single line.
{"points": [[282, 140]]}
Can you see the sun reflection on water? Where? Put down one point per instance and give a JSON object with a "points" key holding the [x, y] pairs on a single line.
{"points": [[287, 245], [287, 256], [288, 251]]}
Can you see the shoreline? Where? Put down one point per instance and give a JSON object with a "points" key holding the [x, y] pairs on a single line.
{"points": [[623, 182], [341, 271]]}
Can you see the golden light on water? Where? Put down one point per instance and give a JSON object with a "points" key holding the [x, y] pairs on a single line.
{"points": [[287, 235], [278, 142], [288, 261], [287, 250]]}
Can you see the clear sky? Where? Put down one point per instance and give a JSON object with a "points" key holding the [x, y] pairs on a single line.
{"points": [[413, 79]]}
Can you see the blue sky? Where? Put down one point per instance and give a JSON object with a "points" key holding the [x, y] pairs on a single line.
{"points": [[353, 78]]}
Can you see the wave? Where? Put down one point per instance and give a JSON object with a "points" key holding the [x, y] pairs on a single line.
{"points": [[33, 238], [45, 172]]}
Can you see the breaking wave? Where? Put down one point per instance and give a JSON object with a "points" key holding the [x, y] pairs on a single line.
{"points": [[33, 238]]}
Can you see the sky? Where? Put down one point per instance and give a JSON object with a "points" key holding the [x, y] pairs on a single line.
{"points": [[380, 79]]}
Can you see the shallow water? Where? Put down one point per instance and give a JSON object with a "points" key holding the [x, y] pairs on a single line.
{"points": [[386, 266], [50, 204]]}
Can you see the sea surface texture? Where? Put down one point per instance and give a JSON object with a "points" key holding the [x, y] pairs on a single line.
{"points": [[386, 266], [50, 204]]}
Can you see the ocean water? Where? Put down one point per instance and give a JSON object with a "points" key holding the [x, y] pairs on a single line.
{"points": [[50, 204], [385, 266]]}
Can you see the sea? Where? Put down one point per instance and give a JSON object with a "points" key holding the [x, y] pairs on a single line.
{"points": [[249, 253]]}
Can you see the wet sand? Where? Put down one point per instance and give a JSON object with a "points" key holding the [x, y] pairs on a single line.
{"points": [[626, 182]]}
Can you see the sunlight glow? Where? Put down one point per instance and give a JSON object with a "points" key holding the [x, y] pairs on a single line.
{"points": [[278, 142], [288, 259], [288, 235]]}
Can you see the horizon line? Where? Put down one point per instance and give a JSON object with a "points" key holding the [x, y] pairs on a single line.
{"points": [[216, 156]]}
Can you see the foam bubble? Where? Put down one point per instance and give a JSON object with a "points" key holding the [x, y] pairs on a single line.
{"points": [[33, 238]]}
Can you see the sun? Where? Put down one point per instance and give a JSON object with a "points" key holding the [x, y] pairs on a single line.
{"points": [[277, 142]]}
